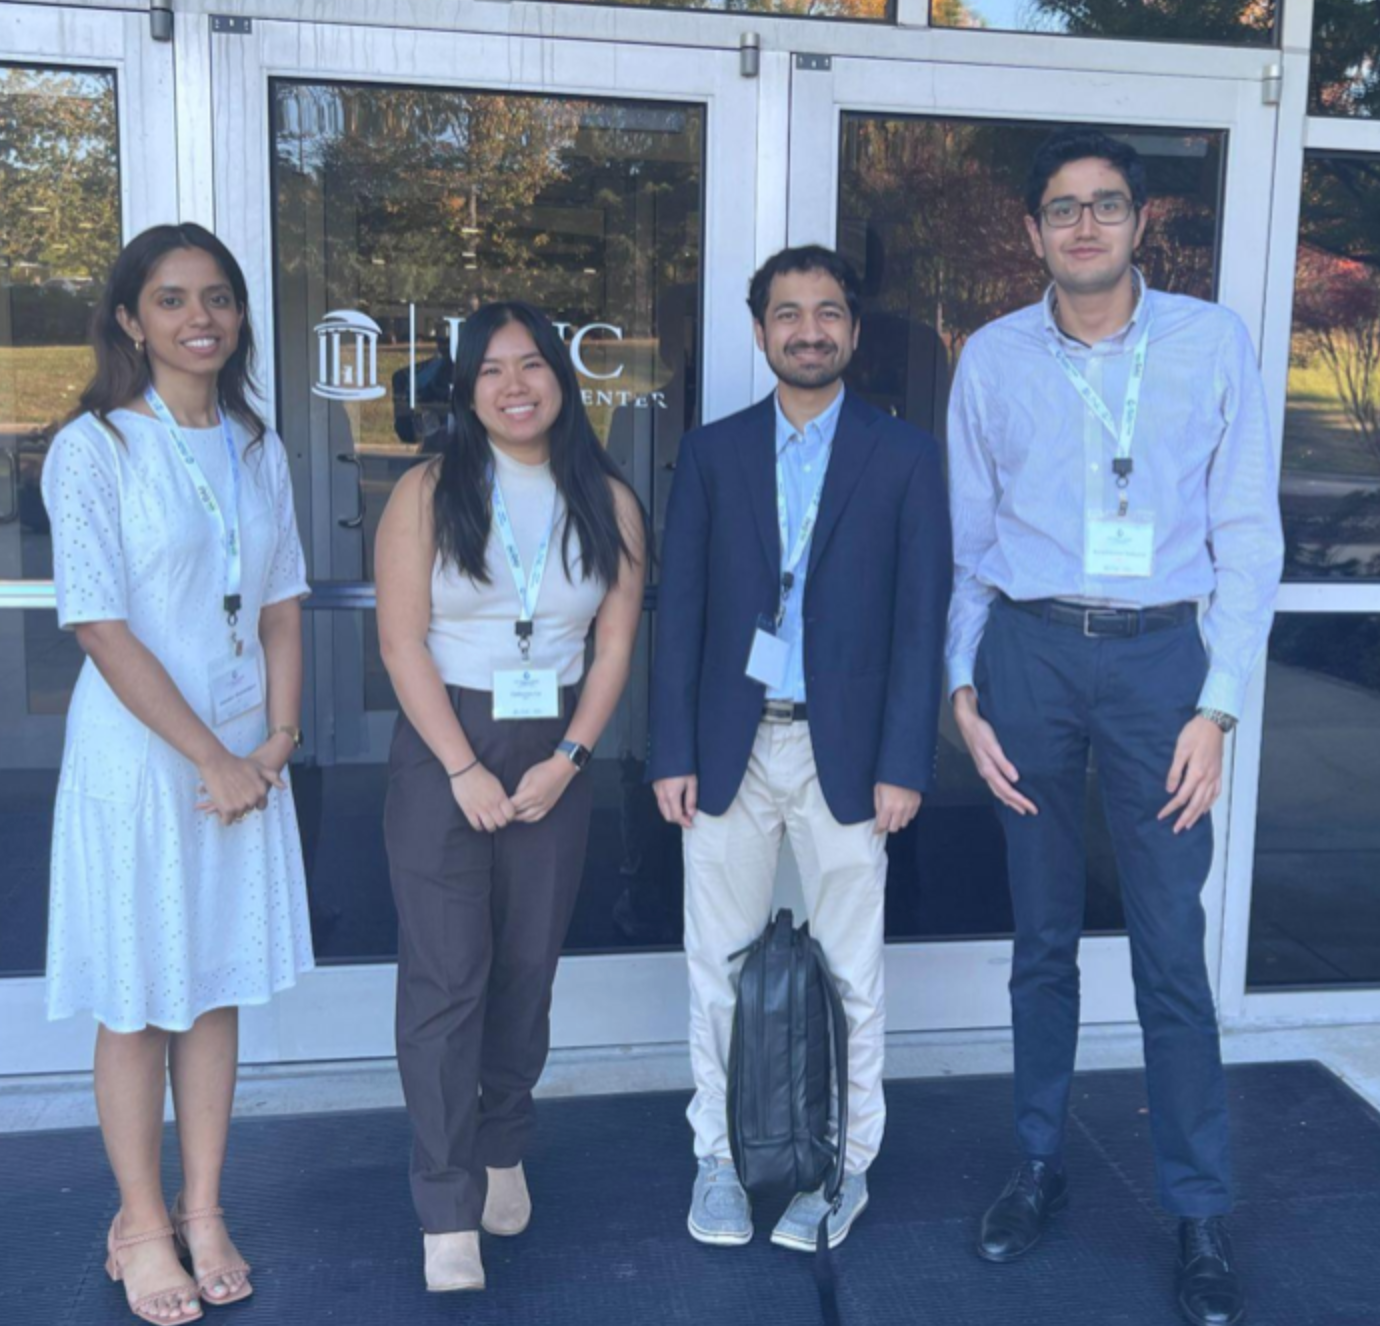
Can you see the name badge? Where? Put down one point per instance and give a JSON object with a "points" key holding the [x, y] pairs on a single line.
{"points": [[236, 688], [1120, 545], [768, 658], [526, 693]]}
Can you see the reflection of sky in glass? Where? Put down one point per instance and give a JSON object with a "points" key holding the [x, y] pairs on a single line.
{"points": [[1009, 15]]}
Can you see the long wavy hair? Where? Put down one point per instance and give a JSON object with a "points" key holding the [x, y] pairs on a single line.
{"points": [[462, 508], [122, 372]]}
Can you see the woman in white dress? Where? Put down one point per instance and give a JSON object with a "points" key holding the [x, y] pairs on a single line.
{"points": [[177, 887]]}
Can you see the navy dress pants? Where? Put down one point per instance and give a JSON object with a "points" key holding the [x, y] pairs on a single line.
{"points": [[1053, 696]]}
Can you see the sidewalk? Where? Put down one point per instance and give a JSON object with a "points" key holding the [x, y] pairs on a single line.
{"points": [[66, 1101]]}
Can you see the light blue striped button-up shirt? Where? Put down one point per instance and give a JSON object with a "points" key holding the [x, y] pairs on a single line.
{"points": [[1028, 461], [804, 458]]}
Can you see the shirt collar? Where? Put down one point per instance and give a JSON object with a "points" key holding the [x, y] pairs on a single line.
{"points": [[1137, 314], [821, 428]]}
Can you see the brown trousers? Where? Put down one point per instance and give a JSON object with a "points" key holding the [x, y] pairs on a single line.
{"points": [[481, 921]]}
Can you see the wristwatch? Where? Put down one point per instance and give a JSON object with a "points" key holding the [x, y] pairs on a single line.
{"points": [[294, 732], [577, 754], [1224, 721]]}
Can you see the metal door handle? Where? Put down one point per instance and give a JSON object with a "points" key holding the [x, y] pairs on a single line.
{"points": [[9, 513], [357, 520]]}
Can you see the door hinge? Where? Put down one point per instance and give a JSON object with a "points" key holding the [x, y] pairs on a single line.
{"points": [[820, 63], [161, 20], [230, 26], [1272, 84]]}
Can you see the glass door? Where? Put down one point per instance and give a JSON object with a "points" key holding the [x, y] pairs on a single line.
{"points": [[88, 161], [920, 184], [379, 193]]}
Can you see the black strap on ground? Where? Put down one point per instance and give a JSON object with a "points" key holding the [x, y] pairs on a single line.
{"points": [[825, 1280]]}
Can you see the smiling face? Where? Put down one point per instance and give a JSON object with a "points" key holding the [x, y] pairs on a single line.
{"points": [[807, 333], [188, 317], [516, 394], [1088, 257]]}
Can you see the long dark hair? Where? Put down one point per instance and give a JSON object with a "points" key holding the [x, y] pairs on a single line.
{"points": [[122, 372], [579, 464]]}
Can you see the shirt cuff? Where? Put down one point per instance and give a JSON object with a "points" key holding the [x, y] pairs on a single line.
{"points": [[1224, 693], [960, 669]]}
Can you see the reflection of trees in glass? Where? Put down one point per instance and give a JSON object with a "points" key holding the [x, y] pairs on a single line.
{"points": [[1337, 319], [1346, 58], [938, 205], [859, 9], [1240, 22], [1331, 491], [59, 175], [397, 195]]}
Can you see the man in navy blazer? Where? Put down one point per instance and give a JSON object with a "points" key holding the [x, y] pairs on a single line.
{"points": [[805, 581]]}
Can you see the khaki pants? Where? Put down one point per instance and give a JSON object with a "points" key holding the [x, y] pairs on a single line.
{"points": [[730, 869]]}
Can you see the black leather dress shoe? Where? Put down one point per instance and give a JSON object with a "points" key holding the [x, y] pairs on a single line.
{"points": [[1210, 1292], [1016, 1220]]}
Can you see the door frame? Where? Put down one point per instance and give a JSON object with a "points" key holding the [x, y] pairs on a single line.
{"points": [[921, 993], [593, 1003], [117, 41]]}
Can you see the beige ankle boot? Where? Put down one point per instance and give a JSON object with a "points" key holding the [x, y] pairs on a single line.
{"points": [[508, 1207], [452, 1262]]}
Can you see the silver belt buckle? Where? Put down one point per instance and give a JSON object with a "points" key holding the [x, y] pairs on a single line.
{"points": [[1089, 614], [778, 711]]}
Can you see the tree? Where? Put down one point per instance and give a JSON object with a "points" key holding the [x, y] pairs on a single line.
{"points": [[1346, 49], [1240, 22], [59, 173]]}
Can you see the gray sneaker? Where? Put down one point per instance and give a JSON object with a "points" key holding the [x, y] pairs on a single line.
{"points": [[720, 1213], [799, 1227]]}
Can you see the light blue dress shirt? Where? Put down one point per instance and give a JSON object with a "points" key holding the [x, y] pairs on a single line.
{"points": [[1028, 461], [804, 459]]}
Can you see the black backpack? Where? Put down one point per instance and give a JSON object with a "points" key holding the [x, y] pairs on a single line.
{"points": [[787, 1064]]}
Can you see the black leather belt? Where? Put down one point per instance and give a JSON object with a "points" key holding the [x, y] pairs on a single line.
{"points": [[783, 711], [1116, 623]]}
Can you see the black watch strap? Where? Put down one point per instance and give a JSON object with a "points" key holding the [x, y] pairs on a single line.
{"points": [[577, 754]]}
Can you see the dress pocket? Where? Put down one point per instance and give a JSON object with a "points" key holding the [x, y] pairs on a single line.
{"points": [[108, 761]]}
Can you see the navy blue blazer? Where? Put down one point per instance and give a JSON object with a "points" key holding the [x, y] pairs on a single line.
{"points": [[876, 600]]}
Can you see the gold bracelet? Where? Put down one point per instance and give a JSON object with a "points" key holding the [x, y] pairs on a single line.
{"points": [[294, 732]]}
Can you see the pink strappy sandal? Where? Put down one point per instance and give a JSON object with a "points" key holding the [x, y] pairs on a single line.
{"points": [[115, 1245], [181, 1219]]}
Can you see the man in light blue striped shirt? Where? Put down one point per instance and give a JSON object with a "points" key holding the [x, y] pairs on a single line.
{"points": [[1111, 473]]}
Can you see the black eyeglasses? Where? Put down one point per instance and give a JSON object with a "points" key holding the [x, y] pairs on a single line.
{"points": [[1111, 209]]}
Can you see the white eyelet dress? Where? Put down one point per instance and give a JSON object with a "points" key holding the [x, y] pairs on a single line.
{"points": [[158, 912]]}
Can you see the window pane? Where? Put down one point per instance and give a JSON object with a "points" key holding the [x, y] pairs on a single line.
{"points": [[931, 213], [1346, 47], [1315, 906], [873, 10], [397, 211], [59, 234], [1237, 22], [1330, 489]]}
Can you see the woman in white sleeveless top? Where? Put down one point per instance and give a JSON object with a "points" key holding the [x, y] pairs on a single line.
{"points": [[495, 563], [177, 889]]}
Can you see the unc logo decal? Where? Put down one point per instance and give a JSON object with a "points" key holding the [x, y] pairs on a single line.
{"points": [[347, 357]]}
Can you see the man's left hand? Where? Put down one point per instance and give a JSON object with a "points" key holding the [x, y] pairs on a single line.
{"points": [[896, 807], [1195, 778]]}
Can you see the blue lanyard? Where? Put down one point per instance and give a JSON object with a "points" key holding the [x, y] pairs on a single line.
{"points": [[528, 588], [229, 528]]}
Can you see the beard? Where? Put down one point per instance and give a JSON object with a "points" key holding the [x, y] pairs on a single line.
{"points": [[810, 377]]}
